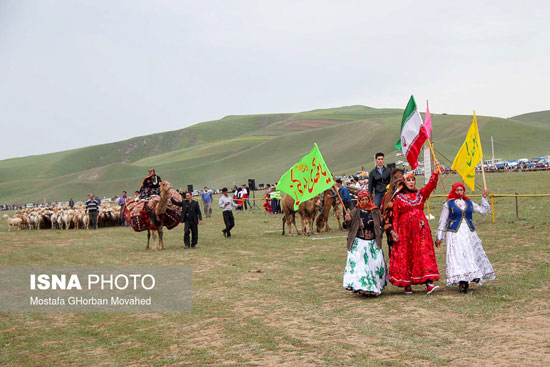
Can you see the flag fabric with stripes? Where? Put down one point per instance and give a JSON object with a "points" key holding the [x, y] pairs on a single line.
{"points": [[413, 133], [428, 121]]}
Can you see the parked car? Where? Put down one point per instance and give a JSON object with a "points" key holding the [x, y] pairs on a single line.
{"points": [[542, 164], [513, 164]]}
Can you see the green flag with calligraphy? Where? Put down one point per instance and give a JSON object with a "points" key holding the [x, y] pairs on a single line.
{"points": [[307, 178]]}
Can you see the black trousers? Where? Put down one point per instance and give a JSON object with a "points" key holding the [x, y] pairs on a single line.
{"points": [[93, 219], [193, 228], [229, 221]]}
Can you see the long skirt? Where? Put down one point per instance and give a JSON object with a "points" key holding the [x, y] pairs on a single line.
{"points": [[466, 259], [365, 267]]}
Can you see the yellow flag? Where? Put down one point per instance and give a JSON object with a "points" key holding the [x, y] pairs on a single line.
{"points": [[469, 155]]}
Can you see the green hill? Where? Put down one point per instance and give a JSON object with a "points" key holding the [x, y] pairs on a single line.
{"points": [[231, 150]]}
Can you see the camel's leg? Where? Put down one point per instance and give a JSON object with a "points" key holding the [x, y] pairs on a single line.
{"points": [[161, 240], [339, 223], [295, 226], [148, 239], [154, 240], [284, 222]]}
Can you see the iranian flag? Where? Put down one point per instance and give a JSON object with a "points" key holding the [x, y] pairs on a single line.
{"points": [[413, 133]]}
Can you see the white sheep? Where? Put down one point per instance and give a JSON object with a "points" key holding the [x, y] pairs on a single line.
{"points": [[13, 222]]}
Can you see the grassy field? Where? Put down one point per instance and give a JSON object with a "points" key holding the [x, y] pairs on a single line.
{"points": [[235, 148], [264, 299]]}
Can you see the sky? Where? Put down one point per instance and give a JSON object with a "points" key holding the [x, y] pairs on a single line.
{"points": [[77, 73]]}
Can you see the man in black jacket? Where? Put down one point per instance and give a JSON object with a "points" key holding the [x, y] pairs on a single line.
{"points": [[192, 217], [379, 178]]}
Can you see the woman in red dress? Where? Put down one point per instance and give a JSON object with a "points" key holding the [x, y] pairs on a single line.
{"points": [[413, 256]]}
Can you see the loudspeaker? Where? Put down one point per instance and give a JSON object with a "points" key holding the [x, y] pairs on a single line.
{"points": [[190, 188], [252, 184]]}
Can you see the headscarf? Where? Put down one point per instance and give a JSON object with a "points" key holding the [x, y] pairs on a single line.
{"points": [[453, 195], [370, 205], [403, 184]]}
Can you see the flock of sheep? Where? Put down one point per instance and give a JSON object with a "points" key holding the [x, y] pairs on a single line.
{"points": [[62, 218]]}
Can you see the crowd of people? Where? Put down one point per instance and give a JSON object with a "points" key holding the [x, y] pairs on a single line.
{"points": [[397, 210]]}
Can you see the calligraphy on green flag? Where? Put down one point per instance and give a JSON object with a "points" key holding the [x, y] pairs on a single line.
{"points": [[307, 178]]}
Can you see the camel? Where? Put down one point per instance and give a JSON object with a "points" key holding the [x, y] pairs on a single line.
{"points": [[156, 216], [289, 215], [328, 203], [307, 211]]}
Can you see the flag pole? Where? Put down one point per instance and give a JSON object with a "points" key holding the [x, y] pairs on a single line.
{"points": [[429, 139], [482, 168], [339, 197], [433, 154]]}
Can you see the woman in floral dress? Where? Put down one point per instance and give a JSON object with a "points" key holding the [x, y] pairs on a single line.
{"points": [[365, 271], [466, 260], [413, 256]]}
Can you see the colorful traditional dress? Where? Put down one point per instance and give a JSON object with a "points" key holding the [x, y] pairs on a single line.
{"points": [[150, 186], [365, 266], [413, 256], [466, 259]]}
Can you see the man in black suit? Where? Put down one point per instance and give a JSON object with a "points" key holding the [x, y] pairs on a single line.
{"points": [[192, 217]]}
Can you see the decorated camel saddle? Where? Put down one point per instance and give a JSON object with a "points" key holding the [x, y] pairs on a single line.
{"points": [[137, 213]]}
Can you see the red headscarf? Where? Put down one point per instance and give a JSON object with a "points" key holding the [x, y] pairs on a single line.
{"points": [[370, 205], [453, 195]]}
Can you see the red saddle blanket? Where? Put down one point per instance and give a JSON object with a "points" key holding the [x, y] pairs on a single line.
{"points": [[133, 216]]}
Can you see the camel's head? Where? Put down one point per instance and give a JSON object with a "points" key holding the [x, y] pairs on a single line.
{"points": [[317, 202], [165, 186], [320, 223]]}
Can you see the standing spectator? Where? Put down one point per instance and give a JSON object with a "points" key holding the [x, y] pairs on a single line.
{"points": [[206, 197], [192, 217], [238, 197], [71, 203], [92, 208], [267, 199], [227, 204], [122, 202], [355, 183], [244, 196], [275, 198], [379, 178], [344, 194]]}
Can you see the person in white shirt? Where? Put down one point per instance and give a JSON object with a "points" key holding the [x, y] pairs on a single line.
{"points": [[226, 204]]}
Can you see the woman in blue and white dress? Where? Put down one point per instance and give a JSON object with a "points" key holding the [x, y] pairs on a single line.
{"points": [[466, 259]]}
